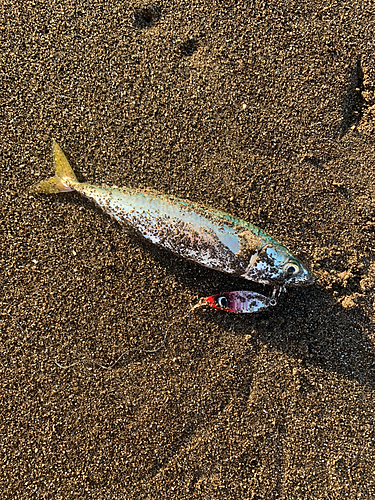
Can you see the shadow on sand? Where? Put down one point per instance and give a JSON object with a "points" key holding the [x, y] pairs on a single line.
{"points": [[308, 324]]}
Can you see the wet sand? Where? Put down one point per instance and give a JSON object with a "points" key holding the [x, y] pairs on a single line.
{"points": [[264, 111]]}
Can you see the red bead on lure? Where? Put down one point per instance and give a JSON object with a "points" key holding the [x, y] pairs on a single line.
{"points": [[239, 302]]}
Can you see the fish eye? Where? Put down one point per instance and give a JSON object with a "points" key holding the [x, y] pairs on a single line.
{"points": [[223, 302], [290, 269]]}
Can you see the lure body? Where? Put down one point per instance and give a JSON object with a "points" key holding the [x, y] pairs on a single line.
{"points": [[239, 302], [207, 236]]}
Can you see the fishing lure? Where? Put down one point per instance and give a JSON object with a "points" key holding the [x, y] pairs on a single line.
{"points": [[238, 302], [204, 235]]}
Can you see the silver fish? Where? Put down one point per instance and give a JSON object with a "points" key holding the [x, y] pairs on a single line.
{"points": [[204, 235]]}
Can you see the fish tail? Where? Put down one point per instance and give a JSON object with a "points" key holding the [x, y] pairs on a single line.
{"points": [[64, 178]]}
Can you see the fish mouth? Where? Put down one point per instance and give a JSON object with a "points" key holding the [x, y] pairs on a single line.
{"points": [[311, 279], [305, 279]]}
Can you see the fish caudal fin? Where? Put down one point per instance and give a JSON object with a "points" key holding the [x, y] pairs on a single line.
{"points": [[64, 176]]}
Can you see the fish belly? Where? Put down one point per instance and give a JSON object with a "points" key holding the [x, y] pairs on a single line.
{"points": [[205, 236]]}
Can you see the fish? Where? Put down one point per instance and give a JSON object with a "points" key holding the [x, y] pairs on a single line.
{"points": [[238, 302], [204, 235]]}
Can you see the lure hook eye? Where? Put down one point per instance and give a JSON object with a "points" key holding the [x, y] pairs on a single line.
{"points": [[202, 302]]}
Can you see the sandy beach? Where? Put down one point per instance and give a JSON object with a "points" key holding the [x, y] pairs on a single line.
{"points": [[109, 388]]}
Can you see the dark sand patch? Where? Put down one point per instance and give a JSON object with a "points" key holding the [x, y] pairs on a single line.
{"points": [[253, 109]]}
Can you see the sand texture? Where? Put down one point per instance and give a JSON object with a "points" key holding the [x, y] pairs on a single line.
{"points": [[263, 109]]}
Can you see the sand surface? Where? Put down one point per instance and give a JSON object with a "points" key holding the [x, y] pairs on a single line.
{"points": [[263, 109]]}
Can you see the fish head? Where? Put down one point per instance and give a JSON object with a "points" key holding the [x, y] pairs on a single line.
{"points": [[274, 265]]}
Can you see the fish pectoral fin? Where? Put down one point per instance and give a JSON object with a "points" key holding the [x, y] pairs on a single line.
{"points": [[64, 175]]}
